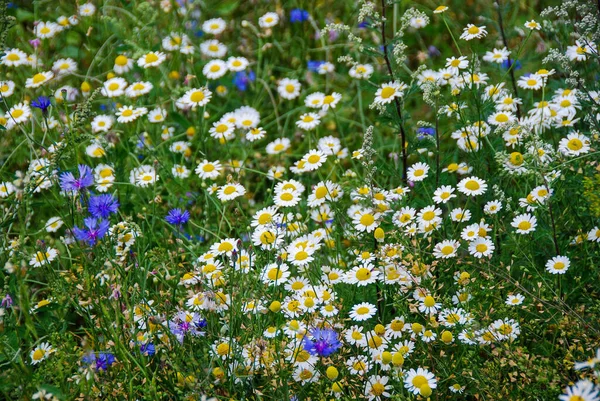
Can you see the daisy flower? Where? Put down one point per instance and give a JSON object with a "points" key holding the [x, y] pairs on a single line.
{"points": [[366, 221], [361, 275], [268, 20], [122, 64], [314, 159], [214, 26], [114, 87], [533, 25], [14, 57], [46, 30], [361, 71], [289, 88], [287, 198], [492, 207], [420, 381], [102, 123], [580, 51], [214, 69], [196, 97], [152, 59], [377, 388], [213, 48], [583, 390], [443, 194], [481, 247], [454, 64], [497, 55], [472, 186], [524, 223], [19, 113], [514, 299], [330, 101], [230, 191], [41, 352], [138, 89], [42, 258], [278, 146], [531, 81], [6, 188], [574, 144], [558, 265], [143, 176], [39, 79], [473, 32], [308, 121], [446, 249], [237, 63], [417, 172], [363, 311], [388, 92]]}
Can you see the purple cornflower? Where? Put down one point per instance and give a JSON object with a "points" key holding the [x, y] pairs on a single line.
{"points": [[313, 65], [42, 103], [102, 206], [321, 342], [177, 217], [68, 182], [433, 51], [185, 323], [242, 79], [102, 361], [148, 349], [507, 63], [423, 132], [298, 15], [7, 301], [94, 230]]}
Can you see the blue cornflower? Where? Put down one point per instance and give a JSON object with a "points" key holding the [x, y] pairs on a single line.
{"points": [[298, 15], [321, 342], [177, 217], [42, 103], [433, 51], [148, 349], [507, 63], [68, 182], [313, 65], [242, 79], [94, 230], [102, 206], [363, 24], [423, 132], [103, 360]]}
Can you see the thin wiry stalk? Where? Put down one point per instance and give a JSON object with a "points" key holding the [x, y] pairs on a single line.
{"points": [[396, 101]]}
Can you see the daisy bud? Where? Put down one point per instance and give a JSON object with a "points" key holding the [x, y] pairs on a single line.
{"points": [[379, 234], [447, 336], [332, 373], [386, 357], [398, 359], [425, 390], [275, 306]]}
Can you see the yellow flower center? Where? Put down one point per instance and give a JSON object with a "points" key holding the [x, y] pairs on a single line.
{"points": [[151, 58], [37, 78], [363, 274], [524, 225], [367, 219], [387, 92]]}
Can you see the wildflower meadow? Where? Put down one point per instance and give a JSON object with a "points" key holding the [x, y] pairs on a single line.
{"points": [[300, 200]]}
